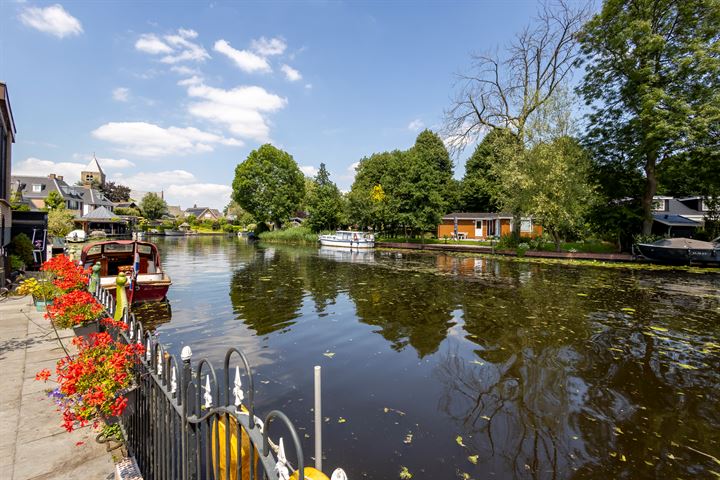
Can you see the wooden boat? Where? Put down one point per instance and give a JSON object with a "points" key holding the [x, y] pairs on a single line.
{"points": [[174, 233], [139, 260], [349, 239], [680, 251]]}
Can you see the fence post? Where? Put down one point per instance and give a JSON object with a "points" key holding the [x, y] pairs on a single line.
{"points": [[120, 296], [188, 435], [94, 278]]}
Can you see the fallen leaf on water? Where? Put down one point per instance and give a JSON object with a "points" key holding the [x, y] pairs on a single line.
{"points": [[476, 362], [582, 294], [628, 309], [622, 458], [408, 438], [659, 329], [405, 473], [473, 459], [485, 417], [459, 441], [618, 430], [686, 366], [341, 420], [329, 354], [465, 476]]}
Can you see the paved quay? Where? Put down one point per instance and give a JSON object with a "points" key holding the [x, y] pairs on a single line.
{"points": [[33, 444]]}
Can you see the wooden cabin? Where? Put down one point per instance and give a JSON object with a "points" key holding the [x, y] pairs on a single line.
{"points": [[482, 226]]}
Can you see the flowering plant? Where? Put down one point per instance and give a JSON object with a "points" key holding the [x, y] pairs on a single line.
{"points": [[68, 275], [93, 384], [42, 290], [74, 309]]}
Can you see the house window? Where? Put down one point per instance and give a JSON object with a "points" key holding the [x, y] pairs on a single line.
{"points": [[658, 205], [37, 187], [526, 225]]}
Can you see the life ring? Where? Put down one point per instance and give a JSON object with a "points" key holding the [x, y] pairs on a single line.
{"points": [[218, 430]]}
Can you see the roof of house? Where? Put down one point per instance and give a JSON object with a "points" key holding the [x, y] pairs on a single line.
{"points": [[130, 204], [674, 220], [198, 211], [48, 184], [476, 216], [174, 210], [100, 213], [92, 196], [676, 207]]}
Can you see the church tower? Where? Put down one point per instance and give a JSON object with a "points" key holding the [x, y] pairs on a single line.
{"points": [[93, 174]]}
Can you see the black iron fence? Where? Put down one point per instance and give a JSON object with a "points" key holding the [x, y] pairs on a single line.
{"points": [[182, 423]]}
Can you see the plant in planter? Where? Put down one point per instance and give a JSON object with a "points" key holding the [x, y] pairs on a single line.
{"points": [[67, 274], [94, 385], [43, 291], [77, 308]]}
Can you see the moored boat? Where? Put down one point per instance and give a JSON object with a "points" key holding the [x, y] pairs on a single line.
{"points": [[174, 233], [76, 236], [140, 261], [681, 251], [348, 239]]}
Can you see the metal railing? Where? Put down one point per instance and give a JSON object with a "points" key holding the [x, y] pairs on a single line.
{"points": [[181, 423]]}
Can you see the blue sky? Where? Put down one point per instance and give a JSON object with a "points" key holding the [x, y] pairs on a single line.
{"points": [[173, 95]]}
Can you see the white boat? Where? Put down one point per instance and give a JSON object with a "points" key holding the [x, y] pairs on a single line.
{"points": [[76, 236], [349, 239]]}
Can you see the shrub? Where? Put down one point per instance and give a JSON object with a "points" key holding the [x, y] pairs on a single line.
{"points": [[301, 235], [22, 247], [507, 241], [16, 263], [43, 289]]}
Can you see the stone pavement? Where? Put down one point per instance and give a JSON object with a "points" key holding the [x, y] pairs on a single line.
{"points": [[33, 444]]}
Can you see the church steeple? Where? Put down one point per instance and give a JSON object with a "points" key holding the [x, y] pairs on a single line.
{"points": [[93, 173]]}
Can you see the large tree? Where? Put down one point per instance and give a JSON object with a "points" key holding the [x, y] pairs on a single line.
{"points": [[269, 185], [60, 222], [115, 192], [479, 185], [503, 91], [653, 83], [152, 206], [324, 203], [54, 201]]}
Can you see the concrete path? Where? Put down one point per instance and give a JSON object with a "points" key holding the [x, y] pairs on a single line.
{"points": [[33, 444]]}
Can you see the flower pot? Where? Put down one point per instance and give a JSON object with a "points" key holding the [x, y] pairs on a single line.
{"points": [[41, 305], [87, 329]]}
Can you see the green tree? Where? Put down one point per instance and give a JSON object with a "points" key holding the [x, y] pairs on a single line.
{"points": [[652, 79], [479, 184], [431, 149], [127, 211], [54, 201], [115, 192], [152, 206], [324, 202], [269, 185], [60, 222]]}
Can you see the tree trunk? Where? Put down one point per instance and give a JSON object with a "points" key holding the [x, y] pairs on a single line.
{"points": [[650, 189], [558, 240], [278, 225], [516, 227]]}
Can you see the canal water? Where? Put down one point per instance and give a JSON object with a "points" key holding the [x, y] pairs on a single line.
{"points": [[458, 367]]}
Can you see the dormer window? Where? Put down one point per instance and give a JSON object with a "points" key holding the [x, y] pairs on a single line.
{"points": [[36, 188], [660, 205]]}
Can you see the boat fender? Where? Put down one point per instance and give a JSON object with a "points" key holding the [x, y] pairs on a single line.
{"points": [[355, 237]]}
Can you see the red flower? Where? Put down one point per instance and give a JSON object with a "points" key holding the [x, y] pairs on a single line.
{"points": [[76, 307], [68, 275], [43, 375]]}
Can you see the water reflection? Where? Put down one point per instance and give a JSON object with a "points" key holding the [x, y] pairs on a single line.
{"points": [[544, 371]]}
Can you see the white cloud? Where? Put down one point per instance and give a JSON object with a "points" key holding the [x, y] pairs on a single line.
{"points": [[211, 195], [309, 170], [180, 187], [150, 43], [308, 86], [290, 73], [184, 70], [183, 49], [176, 47], [121, 94], [150, 140], [416, 125], [105, 162], [54, 20], [37, 167], [240, 109], [245, 60], [267, 47]]}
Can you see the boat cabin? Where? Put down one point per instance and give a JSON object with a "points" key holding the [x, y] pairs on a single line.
{"points": [[118, 256]]}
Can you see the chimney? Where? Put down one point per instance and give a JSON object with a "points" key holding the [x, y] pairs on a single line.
{"points": [[194, 205], [59, 177], [52, 175]]}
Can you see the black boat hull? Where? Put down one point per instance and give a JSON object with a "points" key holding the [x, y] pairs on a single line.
{"points": [[679, 256]]}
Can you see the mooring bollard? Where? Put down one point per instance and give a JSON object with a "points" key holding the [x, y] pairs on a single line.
{"points": [[318, 419], [120, 296], [94, 278]]}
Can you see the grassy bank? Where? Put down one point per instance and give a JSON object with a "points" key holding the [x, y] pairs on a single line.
{"points": [[294, 235], [588, 246]]}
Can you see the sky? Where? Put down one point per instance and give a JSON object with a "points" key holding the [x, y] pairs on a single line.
{"points": [[173, 95]]}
